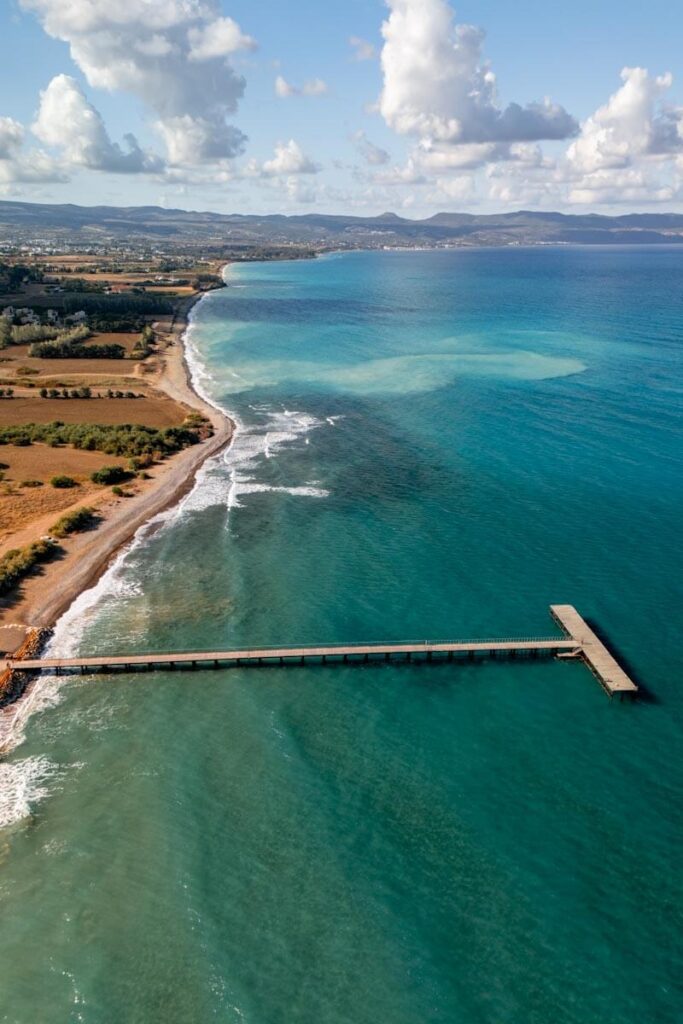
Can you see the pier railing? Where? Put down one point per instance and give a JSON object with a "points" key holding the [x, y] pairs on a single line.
{"points": [[358, 644]]}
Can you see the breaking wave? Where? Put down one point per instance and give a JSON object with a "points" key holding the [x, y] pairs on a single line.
{"points": [[23, 784]]}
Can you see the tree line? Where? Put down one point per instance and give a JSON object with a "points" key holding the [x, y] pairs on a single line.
{"points": [[121, 439]]}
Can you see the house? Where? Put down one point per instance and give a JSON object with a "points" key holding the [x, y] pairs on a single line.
{"points": [[26, 316]]}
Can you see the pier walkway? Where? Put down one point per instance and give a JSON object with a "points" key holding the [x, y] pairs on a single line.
{"points": [[602, 664], [578, 642]]}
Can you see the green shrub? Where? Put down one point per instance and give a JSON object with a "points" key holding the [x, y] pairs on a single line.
{"points": [[31, 483], [139, 462], [75, 522], [111, 475], [18, 562], [63, 482], [118, 491]]}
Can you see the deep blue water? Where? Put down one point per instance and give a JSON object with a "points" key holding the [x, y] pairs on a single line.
{"points": [[431, 445]]}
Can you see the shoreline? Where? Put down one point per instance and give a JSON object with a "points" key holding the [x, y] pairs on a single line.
{"points": [[45, 597]]}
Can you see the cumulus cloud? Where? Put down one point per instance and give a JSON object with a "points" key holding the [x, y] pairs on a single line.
{"points": [[442, 159], [170, 54], [18, 165], [219, 38], [606, 187], [628, 126], [409, 174], [362, 49], [313, 87], [438, 88], [67, 121], [461, 188], [372, 154], [289, 160], [11, 137]]}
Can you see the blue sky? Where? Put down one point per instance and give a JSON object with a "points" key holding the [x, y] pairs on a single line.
{"points": [[266, 106]]}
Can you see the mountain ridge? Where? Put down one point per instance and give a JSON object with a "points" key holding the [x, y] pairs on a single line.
{"points": [[324, 230]]}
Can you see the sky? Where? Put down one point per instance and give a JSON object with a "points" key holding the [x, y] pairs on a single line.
{"points": [[360, 106]]}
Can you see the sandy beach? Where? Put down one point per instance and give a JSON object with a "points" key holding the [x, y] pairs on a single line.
{"points": [[44, 597]]}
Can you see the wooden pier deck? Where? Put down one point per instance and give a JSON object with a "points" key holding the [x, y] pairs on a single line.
{"points": [[602, 664], [578, 641]]}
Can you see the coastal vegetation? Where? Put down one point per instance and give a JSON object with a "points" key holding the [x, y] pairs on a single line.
{"points": [[119, 439], [18, 563], [112, 307], [111, 475], [75, 522], [143, 346], [65, 349], [82, 392]]}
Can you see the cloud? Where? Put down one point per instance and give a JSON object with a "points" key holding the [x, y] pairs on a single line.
{"points": [[628, 126], [607, 187], [313, 87], [363, 50], [410, 174], [462, 188], [299, 191], [18, 165], [11, 137], [68, 122], [289, 160], [437, 88], [220, 38], [442, 159], [372, 154], [170, 54]]}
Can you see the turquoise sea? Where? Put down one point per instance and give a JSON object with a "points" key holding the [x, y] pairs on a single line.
{"points": [[431, 445]]}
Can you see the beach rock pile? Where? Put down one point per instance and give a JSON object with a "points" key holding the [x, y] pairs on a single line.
{"points": [[13, 682]]}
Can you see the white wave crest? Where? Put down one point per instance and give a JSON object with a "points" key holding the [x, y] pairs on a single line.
{"points": [[23, 784]]}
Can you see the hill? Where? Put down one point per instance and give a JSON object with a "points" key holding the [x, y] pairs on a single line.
{"points": [[91, 225]]}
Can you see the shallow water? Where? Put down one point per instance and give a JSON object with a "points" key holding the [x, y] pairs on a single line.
{"points": [[431, 445]]}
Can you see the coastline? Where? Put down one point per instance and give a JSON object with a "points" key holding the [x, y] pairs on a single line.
{"points": [[46, 597]]}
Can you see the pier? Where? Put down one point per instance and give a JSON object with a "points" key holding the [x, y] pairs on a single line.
{"points": [[592, 650], [577, 641]]}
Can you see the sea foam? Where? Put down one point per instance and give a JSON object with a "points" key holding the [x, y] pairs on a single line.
{"points": [[23, 784]]}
